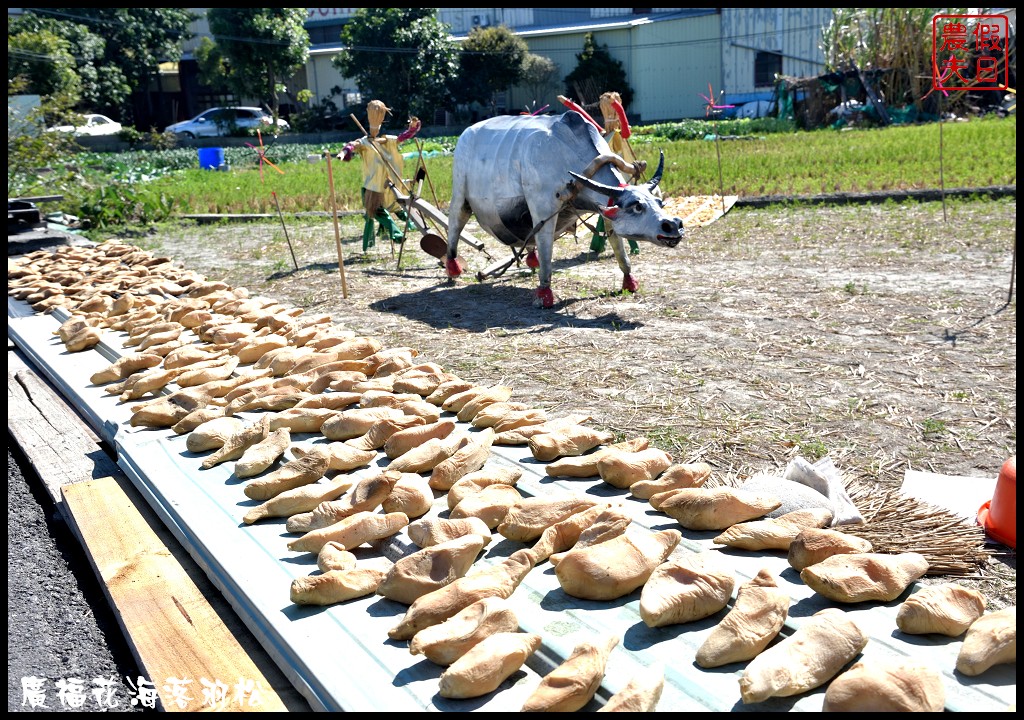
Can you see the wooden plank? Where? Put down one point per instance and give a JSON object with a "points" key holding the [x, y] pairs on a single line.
{"points": [[56, 442], [65, 452], [439, 217], [42, 392], [174, 631], [873, 98]]}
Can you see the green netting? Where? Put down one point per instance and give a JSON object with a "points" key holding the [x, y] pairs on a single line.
{"points": [[785, 103]]}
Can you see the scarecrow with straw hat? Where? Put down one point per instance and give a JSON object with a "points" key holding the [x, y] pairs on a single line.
{"points": [[382, 162], [616, 133]]}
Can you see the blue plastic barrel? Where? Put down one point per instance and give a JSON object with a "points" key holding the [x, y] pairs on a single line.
{"points": [[211, 158]]}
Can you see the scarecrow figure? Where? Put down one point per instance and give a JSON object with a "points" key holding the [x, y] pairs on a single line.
{"points": [[382, 162], [616, 133]]}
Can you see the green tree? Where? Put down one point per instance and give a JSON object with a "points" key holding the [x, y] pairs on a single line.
{"points": [[403, 57], [261, 49], [44, 62], [137, 40], [65, 58], [213, 66], [540, 76], [597, 72], [39, 162], [117, 50], [492, 61]]}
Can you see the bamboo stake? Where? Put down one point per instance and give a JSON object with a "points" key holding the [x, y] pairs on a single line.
{"points": [[718, 151], [1013, 268], [430, 183], [283, 227], [942, 180], [337, 230]]}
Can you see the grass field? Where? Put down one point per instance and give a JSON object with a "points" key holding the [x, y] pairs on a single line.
{"points": [[975, 153]]}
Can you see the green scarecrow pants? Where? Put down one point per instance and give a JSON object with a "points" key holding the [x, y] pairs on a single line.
{"points": [[597, 243], [388, 228]]}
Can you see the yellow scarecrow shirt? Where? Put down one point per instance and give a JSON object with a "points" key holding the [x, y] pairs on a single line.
{"points": [[375, 171]]}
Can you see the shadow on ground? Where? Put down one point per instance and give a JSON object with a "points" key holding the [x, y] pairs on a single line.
{"points": [[477, 308]]}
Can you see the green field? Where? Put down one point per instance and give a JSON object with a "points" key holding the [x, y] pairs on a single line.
{"points": [[976, 153]]}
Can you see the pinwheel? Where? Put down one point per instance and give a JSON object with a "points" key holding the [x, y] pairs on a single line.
{"points": [[261, 153], [711, 107]]}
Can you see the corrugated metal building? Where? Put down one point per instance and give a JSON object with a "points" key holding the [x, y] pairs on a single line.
{"points": [[668, 60], [670, 55], [757, 43]]}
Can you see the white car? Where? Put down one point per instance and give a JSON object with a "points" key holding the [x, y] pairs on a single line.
{"points": [[92, 124], [223, 121]]}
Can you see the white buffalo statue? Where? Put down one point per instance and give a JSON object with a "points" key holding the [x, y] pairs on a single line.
{"points": [[528, 178]]}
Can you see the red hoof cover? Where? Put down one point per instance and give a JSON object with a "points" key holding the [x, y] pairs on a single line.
{"points": [[546, 297], [532, 261], [630, 284], [454, 267]]}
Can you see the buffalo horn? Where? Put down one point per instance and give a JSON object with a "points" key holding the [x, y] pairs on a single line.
{"points": [[656, 178], [609, 190]]}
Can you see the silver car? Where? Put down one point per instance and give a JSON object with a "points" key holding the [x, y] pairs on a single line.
{"points": [[223, 121]]}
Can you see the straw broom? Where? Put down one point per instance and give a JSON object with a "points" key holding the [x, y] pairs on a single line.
{"points": [[894, 523]]}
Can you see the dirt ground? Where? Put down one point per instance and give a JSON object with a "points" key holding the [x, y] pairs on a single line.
{"points": [[882, 336]]}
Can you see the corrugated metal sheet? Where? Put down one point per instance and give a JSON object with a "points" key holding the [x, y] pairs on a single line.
{"points": [[668, 63], [322, 76], [339, 656], [795, 33], [462, 20], [563, 50], [674, 62]]}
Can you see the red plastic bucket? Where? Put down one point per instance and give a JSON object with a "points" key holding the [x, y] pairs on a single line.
{"points": [[999, 515]]}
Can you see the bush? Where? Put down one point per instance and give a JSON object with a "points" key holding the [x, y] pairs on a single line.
{"points": [[37, 161], [697, 129], [123, 205], [319, 117], [153, 139]]}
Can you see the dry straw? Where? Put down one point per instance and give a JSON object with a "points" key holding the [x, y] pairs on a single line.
{"points": [[895, 523]]}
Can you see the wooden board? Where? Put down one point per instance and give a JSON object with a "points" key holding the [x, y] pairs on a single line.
{"points": [[173, 629], [56, 442], [66, 455], [432, 213]]}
